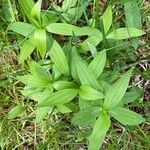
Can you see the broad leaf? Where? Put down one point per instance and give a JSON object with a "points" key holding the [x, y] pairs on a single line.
{"points": [[16, 111], [124, 33], [26, 50], [117, 91], [99, 131], [126, 116], [107, 19], [22, 28], [59, 58], [98, 64], [59, 97], [86, 116], [88, 93]]}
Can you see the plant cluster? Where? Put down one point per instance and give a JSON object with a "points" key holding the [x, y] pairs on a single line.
{"points": [[74, 76]]}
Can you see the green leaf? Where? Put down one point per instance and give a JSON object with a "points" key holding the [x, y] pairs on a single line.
{"points": [[117, 91], [134, 94], [38, 70], [40, 41], [86, 116], [35, 81], [49, 17], [41, 112], [22, 28], [59, 58], [39, 77], [92, 49], [126, 116], [56, 72], [92, 31], [63, 109], [99, 131], [83, 104], [133, 17], [16, 111], [88, 93], [59, 97], [67, 4], [94, 40], [26, 50], [65, 29], [107, 19], [8, 11], [61, 85], [124, 33], [84, 73], [36, 11], [26, 6], [73, 66], [98, 64]]}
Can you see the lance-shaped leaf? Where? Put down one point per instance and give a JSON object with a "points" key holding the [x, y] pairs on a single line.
{"points": [[84, 73], [40, 41], [59, 97], [88, 93], [86, 116], [94, 40], [98, 63], [26, 50], [65, 29], [35, 81], [107, 19], [26, 6], [38, 70], [36, 11], [126, 116], [22, 28], [117, 91], [73, 66], [124, 33], [59, 58], [38, 78], [99, 131]]}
